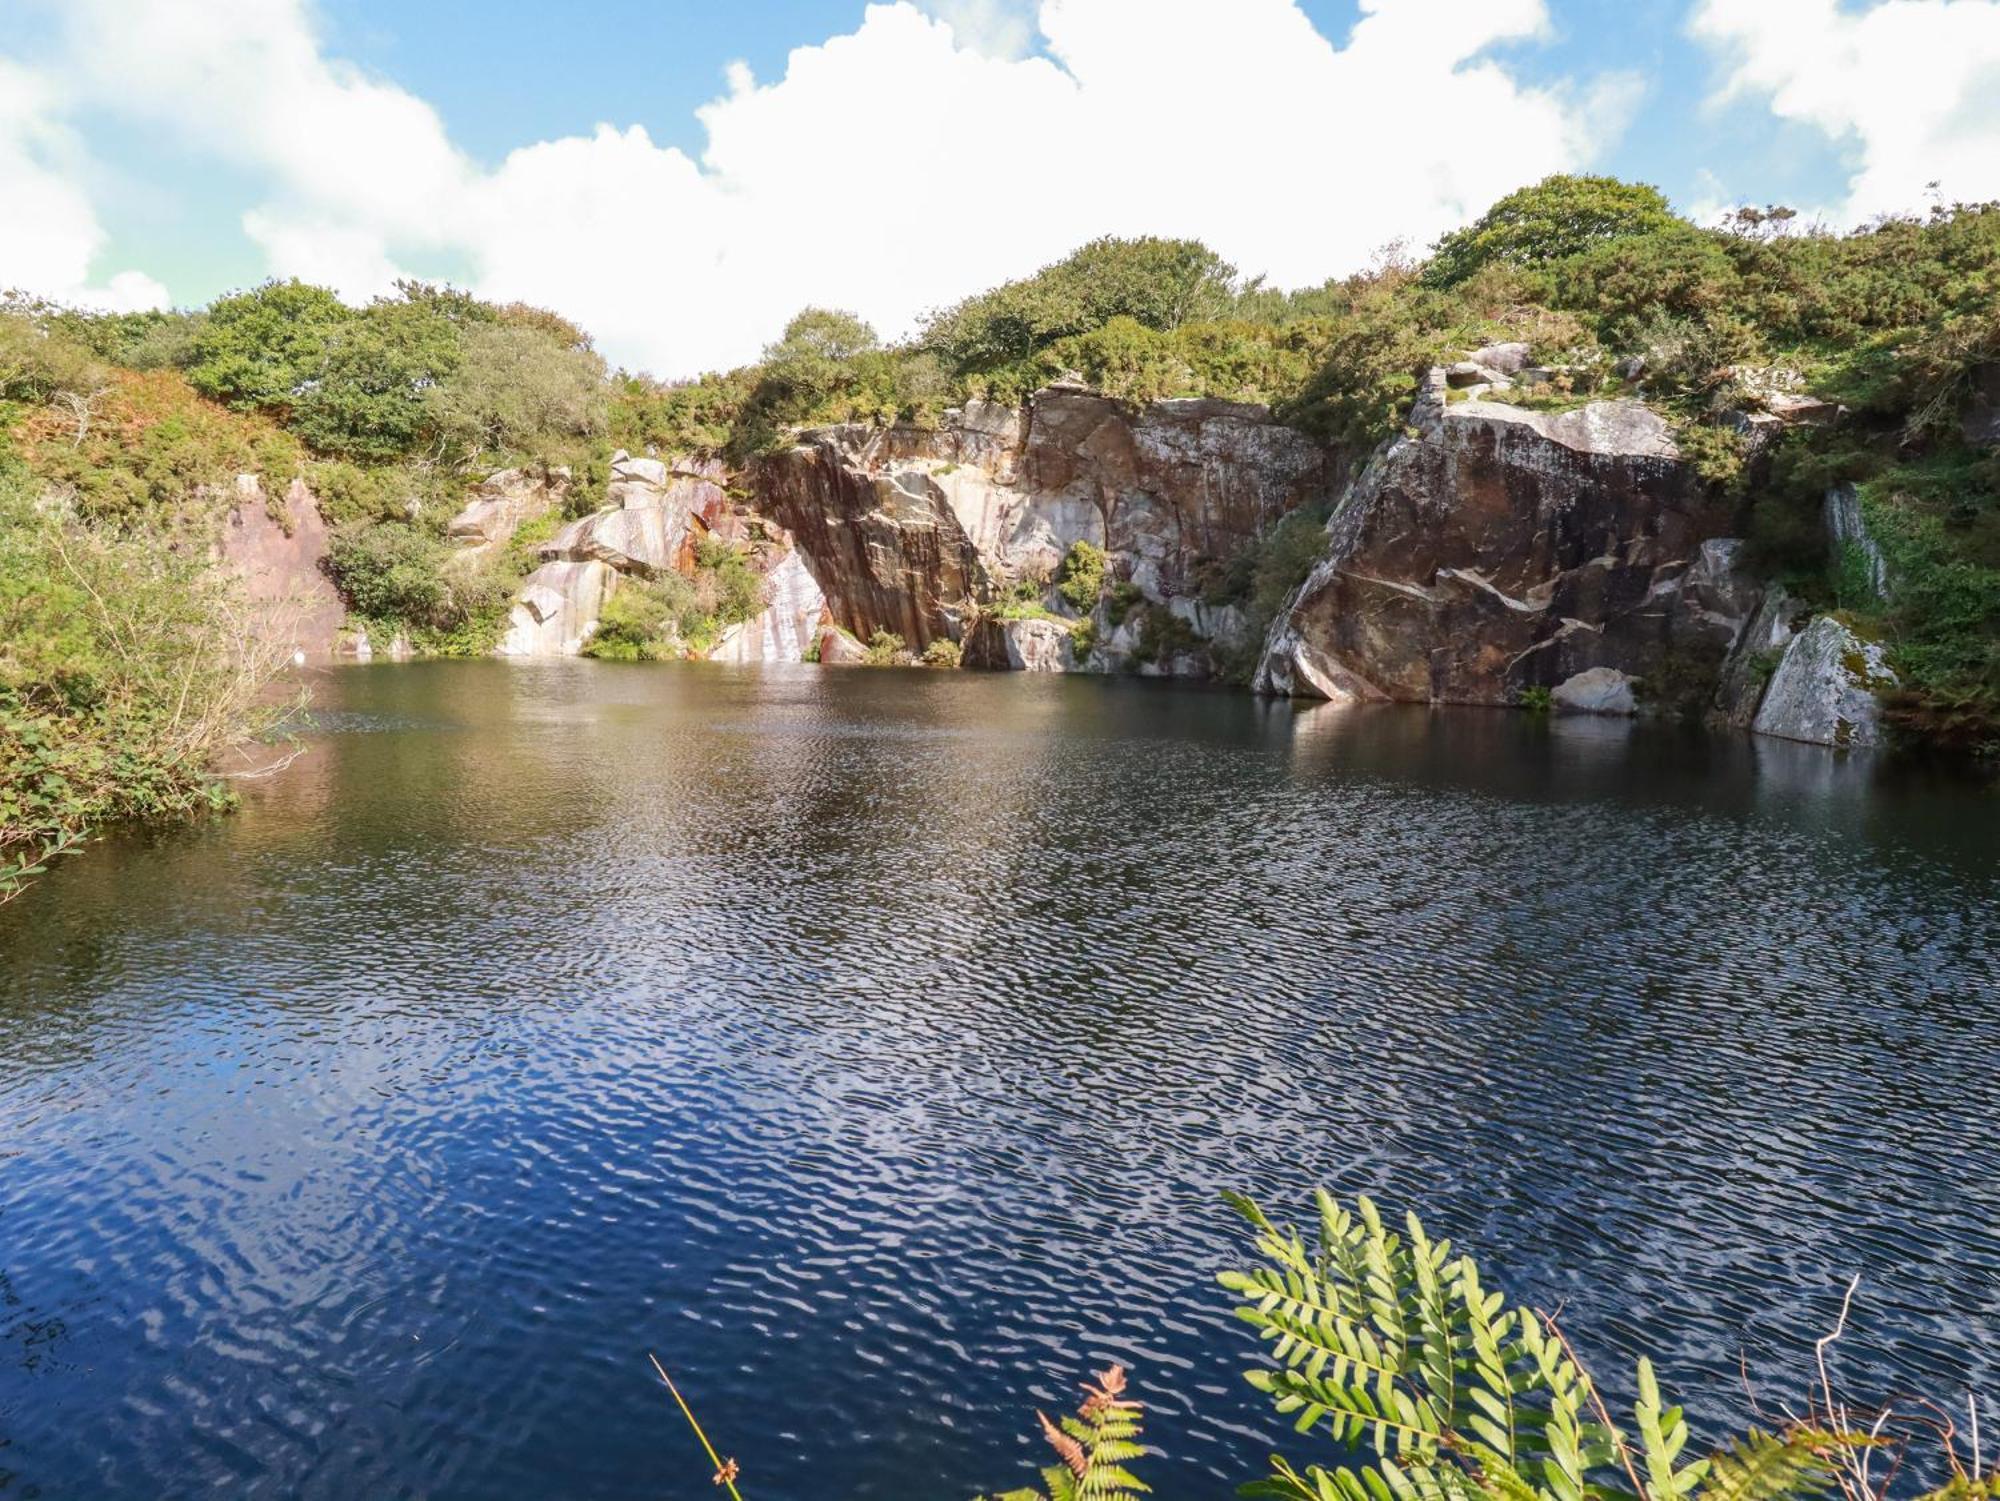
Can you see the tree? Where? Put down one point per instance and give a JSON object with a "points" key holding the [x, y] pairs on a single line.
{"points": [[1161, 284], [1559, 216], [262, 348], [366, 401], [516, 386]]}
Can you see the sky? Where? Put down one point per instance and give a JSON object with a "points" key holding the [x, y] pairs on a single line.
{"points": [[680, 176]]}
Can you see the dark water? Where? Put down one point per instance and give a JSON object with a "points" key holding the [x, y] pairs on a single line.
{"points": [[873, 1046]]}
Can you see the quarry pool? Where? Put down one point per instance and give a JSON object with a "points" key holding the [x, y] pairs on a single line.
{"points": [[875, 1046]]}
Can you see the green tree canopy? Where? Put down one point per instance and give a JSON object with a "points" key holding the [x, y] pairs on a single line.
{"points": [[1158, 283], [366, 399], [1558, 217], [260, 348]]}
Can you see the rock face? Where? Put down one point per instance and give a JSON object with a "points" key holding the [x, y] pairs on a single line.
{"points": [[788, 625], [1500, 549], [1847, 532], [1758, 650], [503, 501], [1824, 689], [557, 609], [293, 601], [1034, 645], [660, 511], [882, 541], [910, 530]]}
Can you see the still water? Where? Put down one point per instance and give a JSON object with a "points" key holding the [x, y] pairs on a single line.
{"points": [[874, 1046]]}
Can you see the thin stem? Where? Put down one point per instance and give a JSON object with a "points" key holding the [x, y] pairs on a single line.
{"points": [[722, 1469]]}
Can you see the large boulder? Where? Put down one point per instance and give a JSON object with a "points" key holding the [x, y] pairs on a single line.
{"points": [[1824, 689], [500, 504], [646, 540], [1595, 690], [1498, 549]]}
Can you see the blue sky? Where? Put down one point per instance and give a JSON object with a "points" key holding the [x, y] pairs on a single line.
{"points": [[172, 149]]}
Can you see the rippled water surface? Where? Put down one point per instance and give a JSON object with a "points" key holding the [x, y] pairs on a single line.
{"points": [[874, 1047]]}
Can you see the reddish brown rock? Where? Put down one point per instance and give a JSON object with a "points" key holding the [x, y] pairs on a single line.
{"points": [[282, 563], [1501, 549]]}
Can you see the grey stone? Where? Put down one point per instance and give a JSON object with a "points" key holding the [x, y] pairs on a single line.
{"points": [[1823, 691], [1596, 690]]}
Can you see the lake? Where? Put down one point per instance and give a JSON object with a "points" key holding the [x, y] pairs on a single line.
{"points": [[874, 1047]]}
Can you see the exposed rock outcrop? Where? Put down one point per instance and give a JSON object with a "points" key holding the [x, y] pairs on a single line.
{"points": [[1847, 533], [283, 566], [1037, 644], [658, 515], [911, 529], [882, 541], [502, 502], [558, 609], [1824, 689], [1498, 549]]}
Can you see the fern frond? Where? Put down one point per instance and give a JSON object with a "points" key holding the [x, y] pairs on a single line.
{"points": [[1764, 1466], [1389, 1343], [1662, 1436]]}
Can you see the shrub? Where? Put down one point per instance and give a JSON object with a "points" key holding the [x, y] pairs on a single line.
{"points": [[394, 574], [943, 652], [646, 620], [515, 388], [1159, 284], [885, 649], [367, 398], [128, 668], [1080, 579]]}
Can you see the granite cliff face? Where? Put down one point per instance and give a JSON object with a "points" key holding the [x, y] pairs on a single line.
{"points": [[657, 515], [1493, 555], [916, 530], [1497, 550], [282, 564]]}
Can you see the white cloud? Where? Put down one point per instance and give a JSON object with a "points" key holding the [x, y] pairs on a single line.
{"points": [[1910, 88], [922, 157], [49, 233]]}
